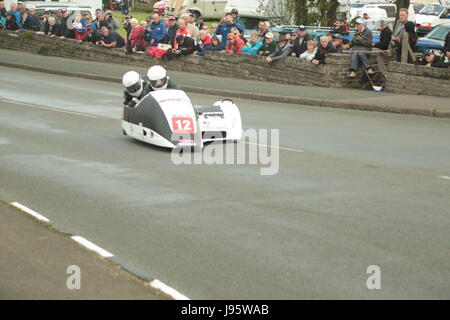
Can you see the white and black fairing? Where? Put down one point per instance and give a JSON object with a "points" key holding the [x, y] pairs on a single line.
{"points": [[167, 118]]}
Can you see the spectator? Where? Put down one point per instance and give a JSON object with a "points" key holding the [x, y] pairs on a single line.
{"points": [[226, 24], [284, 48], [365, 17], [213, 29], [204, 38], [11, 23], [385, 36], [64, 30], [158, 30], [182, 30], [301, 41], [143, 24], [447, 48], [339, 27], [44, 20], [26, 21], [269, 46], [34, 20], [236, 19], [52, 27], [186, 46], [2, 21], [127, 25], [338, 45], [190, 26], [124, 8], [234, 44], [310, 52], [262, 29], [113, 24], [13, 11], [362, 41], [100, 20], [171, 32], [110, 39], [430, 59], [200, 24], [2, 9], [20, 6], [325, 46], [59, 16], [136, 40], [254, 45], [165, 22], [402, 26], [91, 34], [215, 45]]}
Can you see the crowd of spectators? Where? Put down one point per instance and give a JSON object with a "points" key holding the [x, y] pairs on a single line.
{"points": [[169, 38]]}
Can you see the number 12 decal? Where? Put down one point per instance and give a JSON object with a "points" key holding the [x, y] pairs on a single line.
{"points": [[183, 125]]}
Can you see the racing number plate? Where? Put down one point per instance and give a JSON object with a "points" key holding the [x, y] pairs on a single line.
{"points": [[183, 125]]}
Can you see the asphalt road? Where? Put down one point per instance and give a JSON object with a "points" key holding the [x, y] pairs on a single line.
{"points": [[368, 189]]}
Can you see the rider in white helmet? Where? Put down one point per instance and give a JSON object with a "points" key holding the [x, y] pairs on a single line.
{"points": [[135, 88], [158, 79]]}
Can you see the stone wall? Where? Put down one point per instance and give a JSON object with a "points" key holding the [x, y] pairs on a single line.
{"points": [[412, 79], [290, 71]]}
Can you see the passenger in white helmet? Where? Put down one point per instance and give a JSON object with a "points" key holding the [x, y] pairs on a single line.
{"points": [[158, 79], [135, 88]]}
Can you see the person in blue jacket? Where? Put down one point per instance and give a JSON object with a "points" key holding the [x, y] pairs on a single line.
{"points": [[155, 33], [16, 13], [253, 45], [226, 24]]}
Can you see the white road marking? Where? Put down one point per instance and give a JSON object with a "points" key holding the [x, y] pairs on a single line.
{"points": [[267, 146], [48, 108], [444, 177], [91, 246], [158, 285], [29, 211]]}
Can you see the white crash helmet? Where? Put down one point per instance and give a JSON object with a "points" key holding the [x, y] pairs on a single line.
{"points": [[157, 76], [133, 83]]}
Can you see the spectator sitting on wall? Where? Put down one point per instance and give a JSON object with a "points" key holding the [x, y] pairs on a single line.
{"points": [[215, 45], [226, 24], [339, 27], [269, 46], [11, 23], [253, 45], [284, 48], [136, 41], [13, 11], [325, 46], [234, 44], [362, 41], [53, 28], [171, 32], [110, 39], [262, 29], [301, 41], [402, 26], [385, 36], [311, 50], [338, 45]]}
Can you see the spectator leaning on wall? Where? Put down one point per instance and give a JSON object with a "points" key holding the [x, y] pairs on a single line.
{"points": [[110, 39], [234, 44], [269, 46], [284, 48], [16, 14], [311, 50], [253, 45], [325, 46], [215, 45]]}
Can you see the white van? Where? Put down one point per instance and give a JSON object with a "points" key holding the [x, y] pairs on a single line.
{"points": [[208, 9], [95, 4]]}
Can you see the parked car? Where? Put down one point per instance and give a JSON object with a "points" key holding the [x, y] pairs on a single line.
{"points": [[435, 39], [428, 15]]}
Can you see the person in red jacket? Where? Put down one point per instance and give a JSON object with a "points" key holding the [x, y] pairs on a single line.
{"points": [[181, 30], [136, 39], [234, 44]]}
